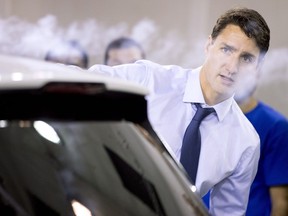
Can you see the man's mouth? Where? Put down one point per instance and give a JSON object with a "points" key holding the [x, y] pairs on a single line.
{"points": [[226, 80]]}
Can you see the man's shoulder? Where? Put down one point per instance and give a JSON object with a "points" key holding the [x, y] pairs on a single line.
{"points": [[245, 128]]}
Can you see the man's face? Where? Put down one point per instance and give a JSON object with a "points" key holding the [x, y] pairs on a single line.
{"points": [[230, 57], [123, 56]]}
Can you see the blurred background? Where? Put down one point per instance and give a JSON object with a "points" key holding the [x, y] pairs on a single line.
{"points": [[171, 32]]}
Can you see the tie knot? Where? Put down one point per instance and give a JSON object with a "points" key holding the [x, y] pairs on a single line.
{"points": [[201, 112]]}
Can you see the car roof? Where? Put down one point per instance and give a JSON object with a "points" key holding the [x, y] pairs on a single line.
{"points": [[18, 72], [35, 89]]}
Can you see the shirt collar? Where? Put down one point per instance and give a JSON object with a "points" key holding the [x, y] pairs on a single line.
{"points": [[195, 95]]}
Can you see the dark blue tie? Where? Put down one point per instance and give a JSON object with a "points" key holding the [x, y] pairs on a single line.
{"points": [[191, 145]]}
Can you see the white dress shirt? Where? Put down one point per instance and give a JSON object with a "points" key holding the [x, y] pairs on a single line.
{"points": [[230, 146]]}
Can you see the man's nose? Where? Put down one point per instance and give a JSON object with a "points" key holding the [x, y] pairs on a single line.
{"points": [[232, 65]]}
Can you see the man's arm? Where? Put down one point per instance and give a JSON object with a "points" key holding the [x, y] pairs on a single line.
{"points": [[137, 72], [279, 200], [230, 197]]}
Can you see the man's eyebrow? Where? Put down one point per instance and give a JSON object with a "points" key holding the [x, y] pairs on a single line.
{"points": [[229, 46], [247, 54]]}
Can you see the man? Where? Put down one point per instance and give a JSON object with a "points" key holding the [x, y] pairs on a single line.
{"points": [[123, 50], [230, 145]]}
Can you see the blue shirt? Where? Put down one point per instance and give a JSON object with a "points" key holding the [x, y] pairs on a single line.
{"points": [[272, 128], [229, 144]]}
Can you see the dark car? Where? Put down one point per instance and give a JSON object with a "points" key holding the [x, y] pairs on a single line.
{"points": [[76, 143]]}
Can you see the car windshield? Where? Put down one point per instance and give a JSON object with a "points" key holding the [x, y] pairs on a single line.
{"points": [[96, 163]]}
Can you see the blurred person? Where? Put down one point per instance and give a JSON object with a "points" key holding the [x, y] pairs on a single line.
{"points": [[269, 190], [270, 187], [123, 50], [69, 53], [230, 147]]}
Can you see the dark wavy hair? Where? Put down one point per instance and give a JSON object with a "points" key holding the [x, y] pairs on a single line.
{"points": [[251, 23], [53, 54]]}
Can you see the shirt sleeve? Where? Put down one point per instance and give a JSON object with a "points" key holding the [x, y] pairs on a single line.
{"points": [[230, 196], [136, 72]]}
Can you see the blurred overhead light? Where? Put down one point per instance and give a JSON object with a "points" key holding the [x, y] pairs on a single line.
{"points": [[3, 123], [17, 76], [79, 209], [193, 188], [46, 131]]}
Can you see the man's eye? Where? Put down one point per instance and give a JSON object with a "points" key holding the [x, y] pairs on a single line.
{"points": [[248, 59], [225, 49]]}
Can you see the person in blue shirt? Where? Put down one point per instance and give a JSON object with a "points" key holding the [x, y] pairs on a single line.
{"points": [[269, 190]]}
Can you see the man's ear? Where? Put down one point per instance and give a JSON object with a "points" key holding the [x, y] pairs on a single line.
{"points": [[209, 42]]}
